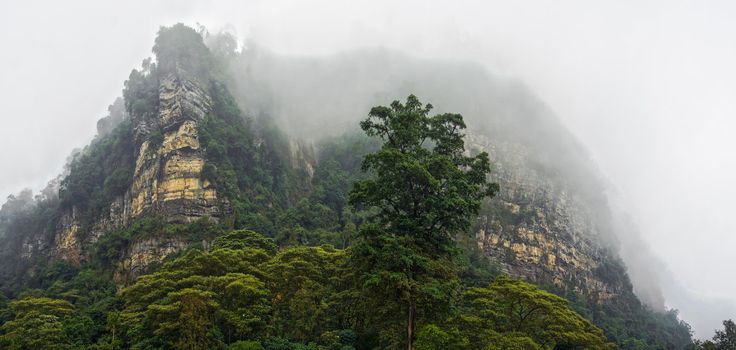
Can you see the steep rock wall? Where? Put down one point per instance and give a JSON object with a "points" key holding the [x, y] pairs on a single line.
{"points": [[167, 176], [537, 229], [167, 180], [144, 252]]}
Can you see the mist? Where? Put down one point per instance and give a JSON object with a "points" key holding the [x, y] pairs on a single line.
{"points": [[643, 89]]}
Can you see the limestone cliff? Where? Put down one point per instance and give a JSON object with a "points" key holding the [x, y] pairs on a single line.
{"points": [[167, 179], [538, 228]]}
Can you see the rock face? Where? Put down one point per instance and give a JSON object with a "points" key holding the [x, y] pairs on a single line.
{"points": [[167, 175], [537, 229], [142, 253], [166, 181]]}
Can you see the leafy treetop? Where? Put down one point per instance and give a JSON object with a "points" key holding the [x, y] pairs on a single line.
{"points": [[424, 185]]}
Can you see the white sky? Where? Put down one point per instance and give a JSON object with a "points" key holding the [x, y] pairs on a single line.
{"points": [[648, 86]]}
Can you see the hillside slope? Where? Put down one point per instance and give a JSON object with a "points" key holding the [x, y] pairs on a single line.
{"points": [[198, 148]]}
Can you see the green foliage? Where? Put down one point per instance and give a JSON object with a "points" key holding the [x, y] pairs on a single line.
{"points": [[182, 47], [432, 337], [348, 152], [612, 269], [140, 91], [99, 174], [424, 191], [395, 282], [90, 291], [624, 319], [631, 325], [331, 185], [512, 341], [228, 142], [324, 217], [205, 298], [308, 223], [242, 239], [307, 284], [37, 324], [726, 339], [425, 186], [305, 296], [723, 339], [240, 291], [519, 309], [278, 343], [253, 171], [245, 345], [474, 268], [109, 248], [23, 216], [338, 167], [155, 139], [702, 345]]}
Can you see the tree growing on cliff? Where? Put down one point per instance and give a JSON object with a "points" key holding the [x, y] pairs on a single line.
{"points": [[424, 191], [181, 47]]}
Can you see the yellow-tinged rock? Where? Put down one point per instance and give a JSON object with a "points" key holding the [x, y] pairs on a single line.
{"points": [[179, 166], [143, 191], [526, 252], [184, 188], [513, 208], [141, 157], [68, 244], [184, 137], [495, 239]]}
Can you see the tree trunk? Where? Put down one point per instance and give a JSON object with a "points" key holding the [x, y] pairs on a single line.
{"points": [[410, 326]]}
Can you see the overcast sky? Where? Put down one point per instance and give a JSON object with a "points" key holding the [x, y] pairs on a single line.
{"points": [[648, 86]]}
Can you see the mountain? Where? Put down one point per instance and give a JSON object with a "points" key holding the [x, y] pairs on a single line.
{"points": [[551, 221], [207, 139]]}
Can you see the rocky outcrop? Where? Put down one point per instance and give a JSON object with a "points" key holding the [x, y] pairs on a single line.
{"points": [[71, 238], [302, 156], [167, 179], [537, 228], [68, 243], [143, 253]]}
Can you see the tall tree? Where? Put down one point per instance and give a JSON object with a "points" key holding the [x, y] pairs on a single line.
{"points": [[726, 339], [424, 192]]}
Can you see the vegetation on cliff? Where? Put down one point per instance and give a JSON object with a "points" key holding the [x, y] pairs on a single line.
{"points": [[308, 254]]}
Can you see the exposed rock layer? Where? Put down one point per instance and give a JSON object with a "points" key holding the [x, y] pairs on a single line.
{"points": [[167, 180], [537, 229]]}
